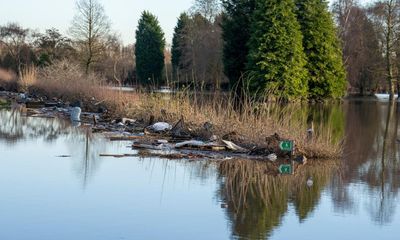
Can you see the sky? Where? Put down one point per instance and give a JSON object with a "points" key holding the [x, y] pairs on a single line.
{"points": [[124, 14]]}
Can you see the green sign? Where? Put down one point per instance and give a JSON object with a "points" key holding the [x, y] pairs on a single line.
{"points": [[285, 169], [286, 145]]}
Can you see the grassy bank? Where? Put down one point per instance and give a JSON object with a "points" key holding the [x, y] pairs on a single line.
{"points": [[257, 121]]}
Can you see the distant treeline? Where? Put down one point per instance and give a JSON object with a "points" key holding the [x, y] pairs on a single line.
{"points": [[270, 48], [289, 49], [370, 41]]}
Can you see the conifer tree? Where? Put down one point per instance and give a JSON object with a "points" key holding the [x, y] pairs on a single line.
{"points": [[178, 42], [321, 45], [236, 34], [276, 58], [149, 50]]}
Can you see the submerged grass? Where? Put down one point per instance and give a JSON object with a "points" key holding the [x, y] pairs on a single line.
{"points": [[255, 121]]}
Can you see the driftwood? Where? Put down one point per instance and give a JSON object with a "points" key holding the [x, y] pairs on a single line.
{"points": [[125, 138]]}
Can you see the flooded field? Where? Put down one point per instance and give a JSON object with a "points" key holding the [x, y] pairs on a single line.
{"points": [[55, 185]]}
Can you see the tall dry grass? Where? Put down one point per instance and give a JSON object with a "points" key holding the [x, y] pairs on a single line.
{"points": [[28, 78], [7, 75], [8, 80], [255, 121], [67, 81]]}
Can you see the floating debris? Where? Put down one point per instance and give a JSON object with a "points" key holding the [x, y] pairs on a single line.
{"points": [[191, 143], [310, 182], [200, 145], [118, 155], [232, 146], [177, 141], [146, 153], [160, 127], [152, 147], [180, 130], [35, 104], [301, 160], [272, 157], [125, 138], [76, 114]]}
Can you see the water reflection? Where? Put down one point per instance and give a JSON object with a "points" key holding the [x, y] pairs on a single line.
{"points": [[15, 126], [257, 202], [371, 158], [367, 179], [82, 145]]}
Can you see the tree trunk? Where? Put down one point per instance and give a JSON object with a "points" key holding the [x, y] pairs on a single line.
{"points": [[389, 39]]}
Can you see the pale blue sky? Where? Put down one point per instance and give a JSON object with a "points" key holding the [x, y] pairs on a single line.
{"points": [[124, 14]]}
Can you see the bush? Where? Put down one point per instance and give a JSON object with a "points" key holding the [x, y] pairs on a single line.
{"points": [[64, 78], [8, 80]]}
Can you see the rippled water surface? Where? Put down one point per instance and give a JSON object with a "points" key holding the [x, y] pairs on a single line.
{"points": [[85, 196]]}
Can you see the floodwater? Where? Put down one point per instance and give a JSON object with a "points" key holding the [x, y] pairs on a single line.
{"points": [[46, 195]]}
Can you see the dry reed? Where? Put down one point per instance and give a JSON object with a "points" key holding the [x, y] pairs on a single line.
{"points": [[256, 120], [28, 78], [8, 80]]}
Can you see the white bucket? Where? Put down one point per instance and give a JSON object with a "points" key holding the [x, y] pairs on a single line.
{"points": [[76, 114]]}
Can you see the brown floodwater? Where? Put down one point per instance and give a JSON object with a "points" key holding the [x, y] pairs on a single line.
{"points": [[54, 185]]}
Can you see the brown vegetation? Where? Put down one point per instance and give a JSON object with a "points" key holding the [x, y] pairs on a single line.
{"points": [[254, 123], [8, 79]]}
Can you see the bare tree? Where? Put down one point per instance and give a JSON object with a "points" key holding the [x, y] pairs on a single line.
{"points": [[13, 37], [117, 62], [209, 9], [90, 28], [362, 51], [343, 12], [385, 15], [52, 45], [201, 48]]}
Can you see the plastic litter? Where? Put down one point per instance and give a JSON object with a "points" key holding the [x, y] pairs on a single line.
{"points": [[76, 114], [310, 182], [160, 127], [272, 157], [194, 143], [232, 146]]}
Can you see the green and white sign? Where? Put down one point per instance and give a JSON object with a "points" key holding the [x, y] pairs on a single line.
{"points": [[286, 145], [285, 169]]}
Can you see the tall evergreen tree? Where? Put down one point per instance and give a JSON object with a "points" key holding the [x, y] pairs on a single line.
{"points": [[321, 45], [178, 42], [276, 58], [149, 49], [236, 34]]}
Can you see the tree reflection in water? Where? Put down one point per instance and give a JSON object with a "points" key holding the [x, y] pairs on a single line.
{"points": [[85, 148], [371, 156], [257, 201], [15, 126]]}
